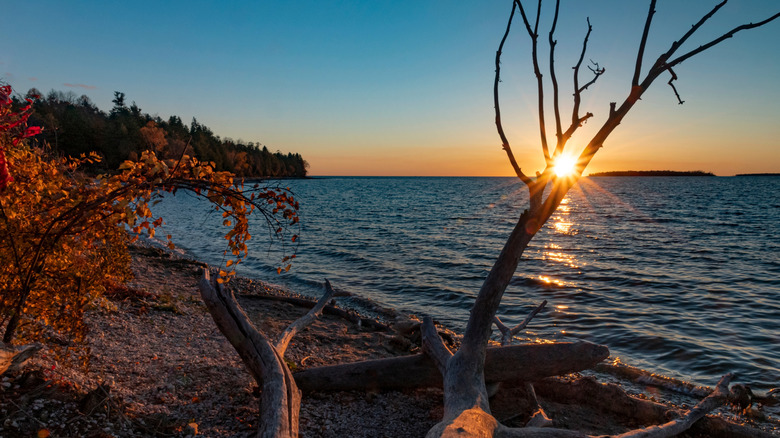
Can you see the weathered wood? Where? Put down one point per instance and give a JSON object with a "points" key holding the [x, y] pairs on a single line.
{"points": [[327, 310], [305, 320], [679, 425], [433, 346], [611, 397], [614, 400], [281, 399], [507, 334], [13, 358], [528, 362]]}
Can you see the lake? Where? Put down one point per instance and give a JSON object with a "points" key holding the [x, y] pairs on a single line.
{"points": [[677, 275]]}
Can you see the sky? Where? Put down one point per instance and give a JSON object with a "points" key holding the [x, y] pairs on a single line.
{"points": [[403, 87]]}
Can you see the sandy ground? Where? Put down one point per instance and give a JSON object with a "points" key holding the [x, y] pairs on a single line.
{"points": [[167, 371]]}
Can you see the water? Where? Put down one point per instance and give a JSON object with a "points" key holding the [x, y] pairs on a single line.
{"points": [[679, 276]]}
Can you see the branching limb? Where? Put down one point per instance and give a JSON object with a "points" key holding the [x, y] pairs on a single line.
{"points": [[597, 71], [720, 39], [433, 346], [281, 399], [576, 120], [554, 80], [640, 54], [534, 35], [677, 44], [305, 320], [507, 334], [497, 107]]}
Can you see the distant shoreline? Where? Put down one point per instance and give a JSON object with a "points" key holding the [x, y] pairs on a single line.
{"points": [[652, 173], [757, 174]]}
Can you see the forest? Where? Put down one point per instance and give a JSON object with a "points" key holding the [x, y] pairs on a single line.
{"points": [[74, 125]]}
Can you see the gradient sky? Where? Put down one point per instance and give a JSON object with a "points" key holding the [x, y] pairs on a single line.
{"points": [[403, 87]]}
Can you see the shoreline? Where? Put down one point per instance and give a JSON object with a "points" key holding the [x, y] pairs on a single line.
{"points": [[170, 369]]}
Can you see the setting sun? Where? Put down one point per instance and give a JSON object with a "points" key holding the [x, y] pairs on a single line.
{"points": [[564, 165]]}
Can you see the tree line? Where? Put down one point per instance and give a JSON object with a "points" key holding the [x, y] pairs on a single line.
{"points": [[74, 125]]}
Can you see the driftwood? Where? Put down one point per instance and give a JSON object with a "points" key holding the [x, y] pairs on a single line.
{"points": [[514, 363], [281, 399], [507, 334], [612, 399], [327, 310], [12, 358]]}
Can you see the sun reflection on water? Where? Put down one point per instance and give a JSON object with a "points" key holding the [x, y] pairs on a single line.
{"points": [[551, 281]]}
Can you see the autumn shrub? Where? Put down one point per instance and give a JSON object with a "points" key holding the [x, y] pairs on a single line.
{"points": [[64, 234]]}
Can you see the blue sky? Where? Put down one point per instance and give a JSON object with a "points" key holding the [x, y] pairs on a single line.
{"points": [[405, 87]]}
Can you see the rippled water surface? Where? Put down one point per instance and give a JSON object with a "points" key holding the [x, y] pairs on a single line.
{"points": [[679, 276]]}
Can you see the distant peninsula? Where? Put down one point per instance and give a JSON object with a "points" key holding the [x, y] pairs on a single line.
{"points": [[653, 173]]}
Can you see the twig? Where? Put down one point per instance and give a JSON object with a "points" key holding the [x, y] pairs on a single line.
{"points": [[508, 334], [576, 120], [674, 78]]}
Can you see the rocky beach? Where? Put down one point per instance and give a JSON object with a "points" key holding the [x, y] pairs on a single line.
{"points": [[158, 366]]}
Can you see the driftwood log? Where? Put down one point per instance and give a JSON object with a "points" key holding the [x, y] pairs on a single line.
{"points": [[612, 399], [512, 364], [13, 358], [280, 402]]}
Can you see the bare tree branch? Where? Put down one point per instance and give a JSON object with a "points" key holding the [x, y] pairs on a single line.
{"points": [[507, 334], [674, 78], [305, 320], [640, 54], [720, 39], [554, 80], [597, 71], [677, 44], [576, 120], [497, 107], [534, 34]]}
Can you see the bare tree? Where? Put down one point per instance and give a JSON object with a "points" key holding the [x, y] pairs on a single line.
{"points": [[464, 373], [466, 407]]}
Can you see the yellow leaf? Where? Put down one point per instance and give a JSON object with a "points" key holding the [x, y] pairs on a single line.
{"points": [[229, 263]]}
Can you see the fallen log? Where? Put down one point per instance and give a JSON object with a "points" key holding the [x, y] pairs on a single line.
{"points": [[588, 391], [613, 400], [528, 362], [327, 310], [12, 358]]}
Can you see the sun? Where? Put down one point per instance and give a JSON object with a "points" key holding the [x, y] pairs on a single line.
{"points": [[564, 165]]}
